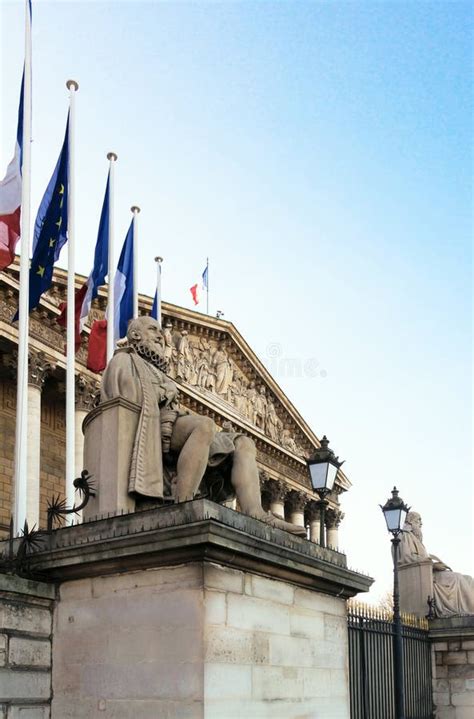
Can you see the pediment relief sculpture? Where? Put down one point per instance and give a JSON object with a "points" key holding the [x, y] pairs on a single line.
{"points": [[209, 366]]}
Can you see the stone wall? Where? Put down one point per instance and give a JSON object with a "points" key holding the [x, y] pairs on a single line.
{"points": [[453, 667], [200, 641], [272, 649], [25, 648]]}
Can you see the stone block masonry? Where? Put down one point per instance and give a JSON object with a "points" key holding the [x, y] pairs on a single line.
{"points": [[26, 610], [201, 641], [187, 612], [453, 667]]}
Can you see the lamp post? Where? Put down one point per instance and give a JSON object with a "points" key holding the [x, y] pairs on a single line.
{"points": [[322, 466], [395, 512]]}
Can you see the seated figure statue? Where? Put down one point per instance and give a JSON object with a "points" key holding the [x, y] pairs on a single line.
{"points": [[453, 592], [173, 443]]}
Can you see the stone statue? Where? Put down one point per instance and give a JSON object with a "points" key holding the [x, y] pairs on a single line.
{"points": [[165, 431], [251, 401], [223, 370], [261, 409], [184, 368], [453, 592], [203, 367], [288, 442], [271, 425], [168, 345]]}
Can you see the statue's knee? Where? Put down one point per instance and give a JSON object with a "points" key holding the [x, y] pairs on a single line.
{"points": [[207, 428], [245, 445]]}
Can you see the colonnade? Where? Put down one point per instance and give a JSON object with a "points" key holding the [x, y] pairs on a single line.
{"points": [[303, 510]]}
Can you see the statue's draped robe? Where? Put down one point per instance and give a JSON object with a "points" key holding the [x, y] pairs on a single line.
{"points": [[135, 379], [453, 592]]}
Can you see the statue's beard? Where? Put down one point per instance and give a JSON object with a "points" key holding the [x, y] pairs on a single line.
{"points": [[150, 355], [418, 533]]}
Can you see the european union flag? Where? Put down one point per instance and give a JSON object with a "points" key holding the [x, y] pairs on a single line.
{"points": [[50, 227]]}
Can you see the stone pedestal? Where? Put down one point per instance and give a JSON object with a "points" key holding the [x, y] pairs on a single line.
{"points": [[195, 612], [416, 585], [109, 433]]}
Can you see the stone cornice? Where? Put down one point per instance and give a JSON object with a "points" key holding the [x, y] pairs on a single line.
{"points": [[188, 532]]}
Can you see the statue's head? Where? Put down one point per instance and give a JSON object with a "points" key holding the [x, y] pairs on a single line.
{"points": [[146, 333], [414, 524]]}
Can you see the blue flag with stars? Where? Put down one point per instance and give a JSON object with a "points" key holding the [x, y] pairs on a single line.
{"points": [[50, 227]]}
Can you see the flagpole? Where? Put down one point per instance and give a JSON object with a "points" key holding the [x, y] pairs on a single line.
{"points": [[112, 158], [72, 86], [158, 261], [207, 285], [21, 427], [135, 211]]}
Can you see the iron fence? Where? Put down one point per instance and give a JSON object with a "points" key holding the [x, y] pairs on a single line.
{"points": [[371, 665]]}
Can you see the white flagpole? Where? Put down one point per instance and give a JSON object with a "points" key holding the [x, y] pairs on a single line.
{"points": [[72, 86], [207, 285], [158, 261], [21, 428], [112, 157], [135, 211]]}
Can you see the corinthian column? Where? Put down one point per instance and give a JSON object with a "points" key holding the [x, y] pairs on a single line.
{"points": [[333, 520], [38, 369], [298, 502], [278, 492], [314, 516]]}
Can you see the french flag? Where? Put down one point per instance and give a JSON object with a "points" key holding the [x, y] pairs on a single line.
{"points": [[90, 288], [123, 287], [10, 196], [123, 307]]}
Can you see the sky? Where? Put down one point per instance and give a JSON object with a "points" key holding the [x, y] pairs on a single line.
{"points": [[320, 154]]}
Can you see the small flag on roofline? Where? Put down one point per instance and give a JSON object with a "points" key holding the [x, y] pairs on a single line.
{"points": [[196, 289]]}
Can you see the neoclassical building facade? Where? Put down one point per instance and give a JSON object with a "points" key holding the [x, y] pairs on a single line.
{"points": [[219, 376]]}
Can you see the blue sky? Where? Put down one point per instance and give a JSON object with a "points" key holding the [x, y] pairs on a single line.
{"points": [[320, 154]]}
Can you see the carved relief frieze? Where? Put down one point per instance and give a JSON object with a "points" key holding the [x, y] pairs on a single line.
{"points": [[210, 363]]}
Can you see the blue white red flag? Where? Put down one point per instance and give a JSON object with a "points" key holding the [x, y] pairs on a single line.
{"points": [[154, 309], [205, 278], [123, 287], [10, 196]]}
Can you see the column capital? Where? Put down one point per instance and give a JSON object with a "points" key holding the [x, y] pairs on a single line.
{"points": [[39, 367], [87, 392], [313, 510], [277, 490], [297, 501], [333, 518]]}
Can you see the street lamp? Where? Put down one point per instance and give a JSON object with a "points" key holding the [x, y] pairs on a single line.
{"points": [[395, 512], [322, 466]]}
